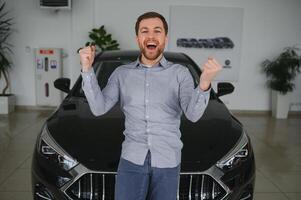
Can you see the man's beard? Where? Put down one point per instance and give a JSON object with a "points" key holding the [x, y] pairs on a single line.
{"points": [[152, 56]]}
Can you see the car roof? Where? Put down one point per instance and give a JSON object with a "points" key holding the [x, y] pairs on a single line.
{"points": [[133, 55]]}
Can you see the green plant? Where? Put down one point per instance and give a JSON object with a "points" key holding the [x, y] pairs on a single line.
{"points": [[103, 40], [282, 71], [5, 31]]}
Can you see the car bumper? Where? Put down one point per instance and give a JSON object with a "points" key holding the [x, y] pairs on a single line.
{"points": [[47, 183]]}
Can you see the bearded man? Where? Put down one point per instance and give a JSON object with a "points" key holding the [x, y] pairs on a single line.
{"points": [[153, 94]]}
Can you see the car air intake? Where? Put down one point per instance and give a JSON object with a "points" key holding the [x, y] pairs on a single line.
{"points": [[199, 187], [100, 186]]}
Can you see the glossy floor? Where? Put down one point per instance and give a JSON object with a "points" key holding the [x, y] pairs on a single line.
{"points": [[277, 146]]}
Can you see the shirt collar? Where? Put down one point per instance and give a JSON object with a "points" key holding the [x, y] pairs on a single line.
{"points": [[162, 63]]}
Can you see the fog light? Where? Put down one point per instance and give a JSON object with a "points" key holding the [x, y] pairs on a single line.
{"points": [[41, 193]]}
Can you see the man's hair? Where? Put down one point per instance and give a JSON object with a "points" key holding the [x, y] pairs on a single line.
{"points": [[149, 15]]}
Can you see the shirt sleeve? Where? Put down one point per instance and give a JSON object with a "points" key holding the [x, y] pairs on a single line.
{"points": [[99, 101], [193, 101]]}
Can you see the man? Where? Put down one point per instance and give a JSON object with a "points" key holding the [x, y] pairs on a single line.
{"points": [[153, 93]]}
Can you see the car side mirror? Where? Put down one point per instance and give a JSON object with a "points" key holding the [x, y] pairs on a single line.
{"points": [[224, 88], [62, 84]]}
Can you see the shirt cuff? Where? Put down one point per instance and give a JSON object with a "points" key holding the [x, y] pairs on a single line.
{"points": [[89, 79], [88, 74], [200, 91]]}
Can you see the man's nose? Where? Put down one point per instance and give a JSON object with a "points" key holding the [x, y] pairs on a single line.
{"points": [[151, 35]]}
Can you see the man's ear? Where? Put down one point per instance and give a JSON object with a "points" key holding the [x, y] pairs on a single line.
{"points": [[166, 39]]}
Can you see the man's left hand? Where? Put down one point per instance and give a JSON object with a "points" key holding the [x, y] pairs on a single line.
{"points": [[210, 69]]}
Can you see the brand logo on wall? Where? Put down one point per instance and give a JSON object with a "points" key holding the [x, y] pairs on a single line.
{"points": [[218, 43]]}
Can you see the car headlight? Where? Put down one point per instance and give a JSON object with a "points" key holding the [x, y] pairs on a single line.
{"points": [[53, 152], [237, 155]]}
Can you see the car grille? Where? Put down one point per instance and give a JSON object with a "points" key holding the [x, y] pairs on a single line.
{"points": [[98, 186]]}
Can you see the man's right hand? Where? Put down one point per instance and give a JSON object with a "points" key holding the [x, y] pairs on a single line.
{"points": [[86, 56]]}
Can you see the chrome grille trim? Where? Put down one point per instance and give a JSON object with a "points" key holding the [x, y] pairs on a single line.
{"points": [[190, 186], [178, 197], [213, 195], [103, 186], [79, 189], [91, 186], [213, 172], [202, 188]]}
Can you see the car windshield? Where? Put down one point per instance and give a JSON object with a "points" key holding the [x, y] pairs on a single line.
{"points": [[104, 69]]}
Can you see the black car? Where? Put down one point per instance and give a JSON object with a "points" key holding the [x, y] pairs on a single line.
{"points": [[77, 154], [183, 42], [195, 43], [206, 43], [228, 43], [218, 43]]}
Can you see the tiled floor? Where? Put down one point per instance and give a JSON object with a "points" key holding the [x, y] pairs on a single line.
{"points": [[277, 146]]}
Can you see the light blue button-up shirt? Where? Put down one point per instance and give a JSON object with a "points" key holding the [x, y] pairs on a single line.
{"points": [[153, 100]]}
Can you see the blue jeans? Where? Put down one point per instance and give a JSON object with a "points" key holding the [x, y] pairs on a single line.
{"points": [[136, 182]]}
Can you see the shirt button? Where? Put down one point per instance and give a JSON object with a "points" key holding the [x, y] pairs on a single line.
{"points": [[147, 85], [147, 130], [146, 101], [146, 116]]}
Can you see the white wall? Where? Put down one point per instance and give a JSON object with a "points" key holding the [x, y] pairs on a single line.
{"points": [[268, 26]]}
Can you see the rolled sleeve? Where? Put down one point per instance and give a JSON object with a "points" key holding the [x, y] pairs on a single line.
{"points": [[89, 79], [193, 100], [99, 101], [202, 94]]}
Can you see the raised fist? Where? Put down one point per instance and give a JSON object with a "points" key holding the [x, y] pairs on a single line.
{"points": [[86, 56], [210, 69]]}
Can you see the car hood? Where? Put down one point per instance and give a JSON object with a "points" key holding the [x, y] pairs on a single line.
{"points": [[95, 142]]}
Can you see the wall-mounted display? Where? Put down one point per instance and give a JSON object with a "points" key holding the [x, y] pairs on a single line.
{"points": [[201, 32]]}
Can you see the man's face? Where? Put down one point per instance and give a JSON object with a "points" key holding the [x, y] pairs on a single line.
{"points": [[151, 38]]}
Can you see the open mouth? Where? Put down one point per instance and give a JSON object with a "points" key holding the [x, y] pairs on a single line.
{"points": [[151, 46]]}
